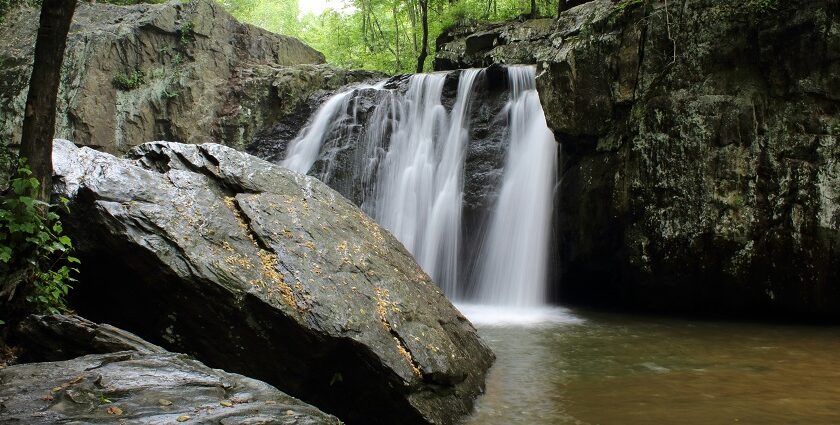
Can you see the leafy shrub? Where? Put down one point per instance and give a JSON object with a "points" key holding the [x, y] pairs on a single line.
{"points": [[187, 32], [35, 255], [130, 81]]}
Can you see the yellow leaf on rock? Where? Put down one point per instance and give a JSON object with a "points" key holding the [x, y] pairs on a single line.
{"points": [[226, 403], [182, 418]]}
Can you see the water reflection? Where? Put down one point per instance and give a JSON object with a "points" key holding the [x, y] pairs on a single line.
{"points": [[614, 369]]}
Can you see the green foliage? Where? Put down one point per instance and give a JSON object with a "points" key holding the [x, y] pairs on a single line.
{"points": [[382, 35], [35, 254], [186, 33], [129, 81], [131, 2], [762, 6]]}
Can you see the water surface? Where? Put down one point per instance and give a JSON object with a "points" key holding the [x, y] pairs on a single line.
{"points": [[576, 367]]}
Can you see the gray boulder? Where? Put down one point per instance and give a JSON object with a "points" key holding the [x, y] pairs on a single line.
{"points": [[147, 388], [255, 269]]}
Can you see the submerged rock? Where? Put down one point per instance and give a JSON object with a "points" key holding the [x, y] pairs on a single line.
{"points": [[700, 154], [264, 272], [148, 388]]}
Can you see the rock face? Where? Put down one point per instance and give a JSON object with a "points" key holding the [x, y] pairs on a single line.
{"points": [[63, 337], [148, 388], [264, 272], [181, 71], [700, 153]]}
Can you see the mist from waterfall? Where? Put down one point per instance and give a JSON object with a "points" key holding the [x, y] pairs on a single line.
{"points": [[411, 171]]}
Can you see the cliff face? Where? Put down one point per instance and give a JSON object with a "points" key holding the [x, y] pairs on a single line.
{"points": [[186, 72], [701, 166]]}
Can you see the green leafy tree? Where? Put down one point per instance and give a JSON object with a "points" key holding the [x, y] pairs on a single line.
{"points": [[383, 35]]}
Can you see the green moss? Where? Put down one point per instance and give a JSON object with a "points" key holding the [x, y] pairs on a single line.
{"points": [[187, 32], [129, 81], [762, 6], [618, 10], [131, 2]]}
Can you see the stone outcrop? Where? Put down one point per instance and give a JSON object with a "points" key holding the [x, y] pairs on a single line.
{"points": [[64, 337], [142, 387], [260, 271], [181, 71], [700, 153]]}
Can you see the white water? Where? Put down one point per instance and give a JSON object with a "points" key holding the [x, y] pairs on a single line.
{"points": [[512, 316], [514, 256], [420, 181], [412, 176]]}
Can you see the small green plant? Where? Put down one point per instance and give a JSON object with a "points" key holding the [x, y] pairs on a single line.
{"points": [[129, 81], [169, 94], [35, 255], [187, 32]]}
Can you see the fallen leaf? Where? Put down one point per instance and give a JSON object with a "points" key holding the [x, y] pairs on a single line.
{"points": [[182, 418], [226, 403], [47, 398], [56, 389], [164, 402], [114, 410], [289, 413]]}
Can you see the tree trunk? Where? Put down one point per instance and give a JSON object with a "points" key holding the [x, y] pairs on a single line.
{"points": [[561, 6], [424, 22], [534, 9], [39, 117]]}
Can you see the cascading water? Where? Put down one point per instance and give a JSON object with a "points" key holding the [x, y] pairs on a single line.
{"points": [[420, 180], [304, 150], [514, 255], [412, 163]]}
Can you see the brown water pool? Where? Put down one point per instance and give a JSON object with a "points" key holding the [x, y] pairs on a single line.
{"points": [[574, 367]]}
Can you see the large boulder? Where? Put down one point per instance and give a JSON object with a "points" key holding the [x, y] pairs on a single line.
{"points": [[700, 155], [147, 388], [180, 71], [264, 272]]}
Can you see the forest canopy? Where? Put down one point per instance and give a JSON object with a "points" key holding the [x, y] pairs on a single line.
{"points": [[382, 35]]}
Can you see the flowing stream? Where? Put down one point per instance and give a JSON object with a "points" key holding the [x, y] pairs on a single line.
{"points": [[413, 166]]}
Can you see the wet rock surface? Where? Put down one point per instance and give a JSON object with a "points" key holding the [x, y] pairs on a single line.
{"points": [[143, 387], [255, 269], [699, 149], [63, 337]]}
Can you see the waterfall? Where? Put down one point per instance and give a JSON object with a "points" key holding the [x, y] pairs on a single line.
{"points": [[514, 256], [410, 166]]}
